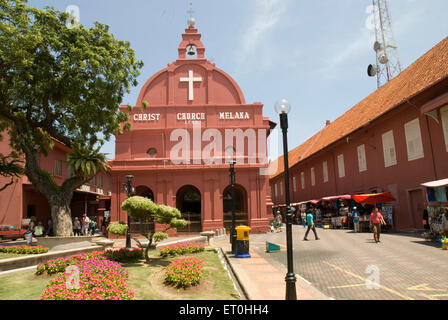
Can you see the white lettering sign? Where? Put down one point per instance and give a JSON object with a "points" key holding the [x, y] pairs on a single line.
{"points": [[234, 115], [190, 116], [146, 117]]}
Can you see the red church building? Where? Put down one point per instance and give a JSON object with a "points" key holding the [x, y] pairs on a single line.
{"points": [[176, 148]]}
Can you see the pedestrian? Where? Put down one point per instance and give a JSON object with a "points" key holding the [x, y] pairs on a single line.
{"points": [[426, 219], [445, 221], [85, 224], [92, 225], [39, 230], [50, 232], [278, 222], [311, 226], [103, 226], [30, 230], [303, 216], [355, 216], [77, 227], [376, 218]]}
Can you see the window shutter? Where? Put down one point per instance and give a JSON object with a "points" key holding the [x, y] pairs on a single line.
{"points": [[444, 116], [302, 179], [413, 140], [325, 171], [341, 166], [362, 162], [390, 157], [313, 177]]}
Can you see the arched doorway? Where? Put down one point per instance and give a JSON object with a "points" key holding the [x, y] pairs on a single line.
{"points": [[241, 210], [188, 201], [140, 225]]}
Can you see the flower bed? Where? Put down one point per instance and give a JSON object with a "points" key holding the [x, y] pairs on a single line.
{"points": [[95, 279], [23, 249], [184, 273], [181, 248], [59, 265], [124, 254]]}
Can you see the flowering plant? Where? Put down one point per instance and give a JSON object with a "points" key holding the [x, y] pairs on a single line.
{"points": [[24, 249], [181, 248], [60, 264], [98, 280], [184, 272], [124, 254]]}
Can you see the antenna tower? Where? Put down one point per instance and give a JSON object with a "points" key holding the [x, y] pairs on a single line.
{"points": [[387, 62]]}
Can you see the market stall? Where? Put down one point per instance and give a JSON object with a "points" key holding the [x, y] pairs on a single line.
{"points": [[437, 197], [335, 211], [372, 200]]}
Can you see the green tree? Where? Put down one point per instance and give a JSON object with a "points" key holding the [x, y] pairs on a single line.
{"points": [[144, 209], [64, 83]]}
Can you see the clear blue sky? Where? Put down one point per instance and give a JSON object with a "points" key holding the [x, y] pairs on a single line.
{"points": [[314, 53]]}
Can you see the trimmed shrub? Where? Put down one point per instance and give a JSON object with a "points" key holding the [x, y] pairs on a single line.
{"points": [[184, 273], [24, 249], [124, 254], [96, 280], [59, 265], [182, 248], [117, 228]]}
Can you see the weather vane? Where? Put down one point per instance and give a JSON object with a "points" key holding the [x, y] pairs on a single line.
{"points": [[191, 20]]}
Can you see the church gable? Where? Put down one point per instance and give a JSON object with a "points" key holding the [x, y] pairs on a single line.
{"points": [[191, 81]]}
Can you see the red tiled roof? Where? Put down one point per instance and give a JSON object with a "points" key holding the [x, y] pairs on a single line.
{"points": [[428, 70]]}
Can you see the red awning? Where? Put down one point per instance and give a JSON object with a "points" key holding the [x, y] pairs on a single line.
{"points": [[345, 197], [374, 198]]}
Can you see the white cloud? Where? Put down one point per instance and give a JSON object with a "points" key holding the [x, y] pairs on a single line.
{"points": [[255, 40]]}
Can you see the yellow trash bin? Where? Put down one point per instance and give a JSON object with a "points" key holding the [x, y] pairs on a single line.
{"points": [[242, 242]]}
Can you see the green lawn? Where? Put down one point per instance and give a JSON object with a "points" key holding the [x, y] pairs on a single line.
{"points": [[146, 280], [22, 286]]}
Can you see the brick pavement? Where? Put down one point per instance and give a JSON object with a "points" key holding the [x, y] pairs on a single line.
{"points": [[409, 268], [262, 279]]}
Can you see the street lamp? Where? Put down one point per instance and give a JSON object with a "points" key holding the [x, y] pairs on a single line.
{"points": [[230, 151], [282, 107], [130, 191]]}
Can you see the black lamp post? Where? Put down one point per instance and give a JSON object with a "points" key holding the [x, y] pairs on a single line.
{"points": [[232, 162], [283, 107], [130, 190]]}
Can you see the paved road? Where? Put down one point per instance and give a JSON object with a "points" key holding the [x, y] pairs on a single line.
{"points": [[351, 266]]}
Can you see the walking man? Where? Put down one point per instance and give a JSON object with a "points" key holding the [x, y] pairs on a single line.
{"points": [[355, 216], [377, 220], [310, 223]]}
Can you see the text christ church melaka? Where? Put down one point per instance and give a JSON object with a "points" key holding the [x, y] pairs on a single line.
{"points": [[195, 109]]}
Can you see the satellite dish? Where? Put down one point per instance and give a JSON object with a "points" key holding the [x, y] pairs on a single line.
{"points": [[371, 70], [377, 46], [383, 58]]}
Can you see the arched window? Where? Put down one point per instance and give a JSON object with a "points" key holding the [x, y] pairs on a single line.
{"points": [[152, 152]]}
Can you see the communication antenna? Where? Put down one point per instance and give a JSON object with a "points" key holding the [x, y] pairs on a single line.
{"points": [[387, 62]]}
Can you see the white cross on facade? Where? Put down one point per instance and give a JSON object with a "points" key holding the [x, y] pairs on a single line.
{"points": [[191, 80]]}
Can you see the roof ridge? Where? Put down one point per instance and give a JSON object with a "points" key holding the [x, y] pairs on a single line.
{"points": [[417, 77]]}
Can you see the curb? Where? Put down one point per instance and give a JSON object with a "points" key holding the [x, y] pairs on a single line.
{"points": [[234, 274]]}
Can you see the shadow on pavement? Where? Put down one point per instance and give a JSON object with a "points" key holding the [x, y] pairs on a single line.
{"points": [[429, 243]]}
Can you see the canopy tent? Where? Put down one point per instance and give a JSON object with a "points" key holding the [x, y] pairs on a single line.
{"points": [[436, 184], [374, 198], [345, 197], [305, 202]]}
